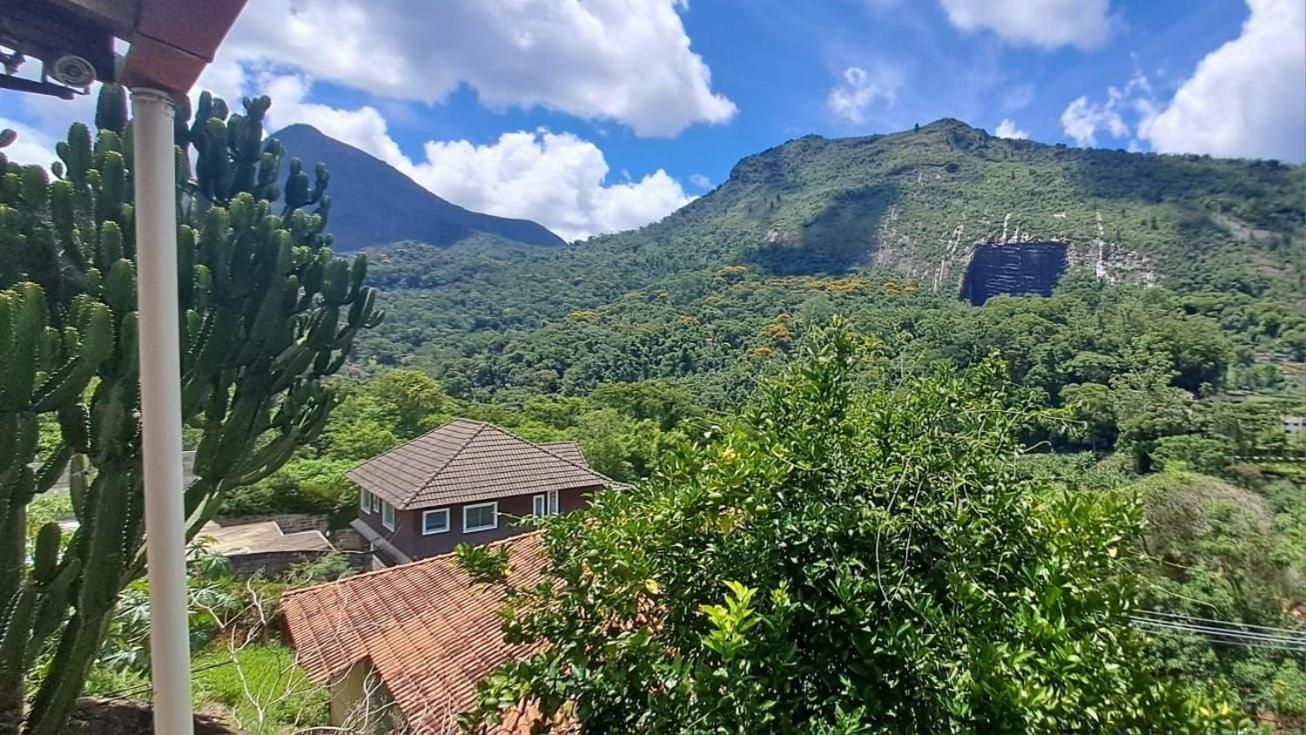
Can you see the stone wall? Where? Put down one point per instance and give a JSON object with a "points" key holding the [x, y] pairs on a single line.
{"points": [[288, 522], [271, 563]]}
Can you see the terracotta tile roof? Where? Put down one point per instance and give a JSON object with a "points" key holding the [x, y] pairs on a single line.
{"points": [[425, 629], [466, 461]]}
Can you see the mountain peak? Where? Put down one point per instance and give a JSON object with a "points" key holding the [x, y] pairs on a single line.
{"points": [[375, 204], [948, 123], [299, 129]]}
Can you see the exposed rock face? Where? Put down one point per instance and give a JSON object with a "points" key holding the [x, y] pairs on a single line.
{"points": [[1014, 269]]}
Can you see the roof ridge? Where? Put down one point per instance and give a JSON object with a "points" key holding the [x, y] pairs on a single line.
{"points": [[420, 562], [422, 435], [481, 426], [586, 468]]}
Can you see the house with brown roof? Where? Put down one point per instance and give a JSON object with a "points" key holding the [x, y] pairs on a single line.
{"points": [[465, 482], [402, 649]]}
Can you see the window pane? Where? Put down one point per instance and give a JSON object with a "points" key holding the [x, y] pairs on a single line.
{"points": [[387, 515], [364, 500], [435, 521], [537, 505], [553, 502], [480, 516]]}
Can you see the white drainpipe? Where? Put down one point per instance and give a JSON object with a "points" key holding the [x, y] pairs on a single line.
{"points": [[160, 356]]}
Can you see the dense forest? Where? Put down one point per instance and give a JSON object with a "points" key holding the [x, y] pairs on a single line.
{"points": [[881, 227]]}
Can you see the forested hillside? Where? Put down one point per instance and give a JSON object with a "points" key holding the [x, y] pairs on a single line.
{"points": [[881, 228]]}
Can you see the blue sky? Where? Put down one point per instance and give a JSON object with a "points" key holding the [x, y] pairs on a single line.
{"points": [[604, 115]]}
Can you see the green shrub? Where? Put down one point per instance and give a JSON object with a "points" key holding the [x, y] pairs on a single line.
{"points": [[1204, 454], [1289, 689], [311, 485]]}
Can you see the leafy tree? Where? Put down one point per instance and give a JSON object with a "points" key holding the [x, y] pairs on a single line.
{"points": [[1204, 454], [1093, 409], [663, 402], [1219, 552], [1294, 341], [1148, 408], [362, 440], [411, 397], [846, 558]]}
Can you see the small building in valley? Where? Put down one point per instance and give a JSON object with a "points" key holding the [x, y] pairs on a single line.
{"points": [[402, 649], [263, 546], [465, 482]]}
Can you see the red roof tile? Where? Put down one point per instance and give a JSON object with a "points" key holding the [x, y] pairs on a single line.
{"points": [[427, 631]]}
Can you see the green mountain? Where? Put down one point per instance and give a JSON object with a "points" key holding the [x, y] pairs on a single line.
{"points": [[917, 202], [906, 222], [374, 204]]}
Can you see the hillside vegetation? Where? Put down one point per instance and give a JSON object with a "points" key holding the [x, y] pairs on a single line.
{"points": [[874, 225]]}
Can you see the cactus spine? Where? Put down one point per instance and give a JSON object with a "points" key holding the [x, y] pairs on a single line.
{"points": [[269, 314]]}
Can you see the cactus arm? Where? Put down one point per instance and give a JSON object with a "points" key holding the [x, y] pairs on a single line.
{"points": [[53, 468], [264, 301], [78, 647]]}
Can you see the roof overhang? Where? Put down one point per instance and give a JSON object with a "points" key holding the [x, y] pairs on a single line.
{"points": [[169, 41]]}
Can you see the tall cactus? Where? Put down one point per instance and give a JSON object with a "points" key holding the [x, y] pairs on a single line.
{"points": [[268, 313]]}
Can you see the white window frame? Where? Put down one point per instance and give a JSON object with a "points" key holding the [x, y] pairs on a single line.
{"points": [[426, 531], [545, 504], [478, 529], [387, 507], [376, 503], [364, 500]]}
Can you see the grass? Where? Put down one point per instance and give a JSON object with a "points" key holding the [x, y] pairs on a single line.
{"points": [[262, 690]]}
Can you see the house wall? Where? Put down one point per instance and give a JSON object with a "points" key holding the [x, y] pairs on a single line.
{"points": [[361, 703], [407, 535]]}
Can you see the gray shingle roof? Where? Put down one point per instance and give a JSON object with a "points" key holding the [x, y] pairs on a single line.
{"points": [[467, 461], [569, 451]]}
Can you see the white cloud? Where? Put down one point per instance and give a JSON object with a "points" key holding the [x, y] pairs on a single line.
{"points": [[32, 148], [1246, 98], [363, 128], [1082, 119], [623, 60], [225, 78], [1008, 129], [700, 181], [40, 120], [858, 90], [555, 179], [1047, 24]]}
